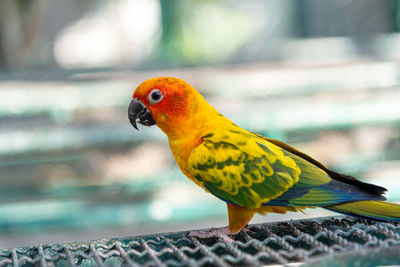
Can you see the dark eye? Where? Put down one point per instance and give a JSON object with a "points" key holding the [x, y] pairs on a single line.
{"points": [[155, 96]]}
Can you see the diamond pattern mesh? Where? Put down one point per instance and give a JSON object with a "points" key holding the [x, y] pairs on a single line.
{"points": [[262, 244]]}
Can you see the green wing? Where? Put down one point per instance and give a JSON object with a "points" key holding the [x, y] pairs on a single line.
{"points": [[244, 169]]}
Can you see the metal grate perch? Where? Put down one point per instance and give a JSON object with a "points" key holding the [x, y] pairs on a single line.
{"points": [[262, 244]]}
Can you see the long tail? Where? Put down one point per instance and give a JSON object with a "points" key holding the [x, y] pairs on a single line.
{"points": [[375, 210]]}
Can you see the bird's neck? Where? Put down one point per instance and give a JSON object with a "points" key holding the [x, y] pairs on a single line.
{"points": [[189, 132], [191, 121]]}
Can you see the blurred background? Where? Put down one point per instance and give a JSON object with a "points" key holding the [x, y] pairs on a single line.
{"points": [[323, 76]]}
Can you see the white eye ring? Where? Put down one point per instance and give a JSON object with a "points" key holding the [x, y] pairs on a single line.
{"points": [[155, 96]]}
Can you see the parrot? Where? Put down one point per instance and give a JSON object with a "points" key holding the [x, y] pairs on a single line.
{"points": [[249, 172]]}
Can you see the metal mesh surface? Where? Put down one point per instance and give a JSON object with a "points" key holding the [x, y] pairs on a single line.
{"points": [[262, 244]]}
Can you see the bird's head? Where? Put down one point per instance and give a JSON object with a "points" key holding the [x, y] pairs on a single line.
{"points": [[168, 102]]}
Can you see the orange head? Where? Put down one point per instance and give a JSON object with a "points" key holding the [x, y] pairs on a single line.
{"points": [[170, 103]]}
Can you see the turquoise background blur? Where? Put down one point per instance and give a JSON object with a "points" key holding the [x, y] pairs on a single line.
{"points": [[323, 76]]}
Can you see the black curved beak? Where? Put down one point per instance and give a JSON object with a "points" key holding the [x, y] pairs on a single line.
{"points": [[137, 111]]}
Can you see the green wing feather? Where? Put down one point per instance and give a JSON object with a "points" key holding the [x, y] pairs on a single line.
{"points": [[247, 170], [250, 170]]}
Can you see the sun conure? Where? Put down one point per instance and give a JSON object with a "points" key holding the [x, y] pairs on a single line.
{"points": [[251, 173]]}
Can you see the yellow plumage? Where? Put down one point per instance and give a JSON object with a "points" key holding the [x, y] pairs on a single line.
{"points": [[249, 172]]}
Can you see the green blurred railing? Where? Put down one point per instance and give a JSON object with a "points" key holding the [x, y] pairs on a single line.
{"points": [[64, 122]]}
